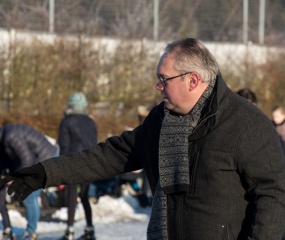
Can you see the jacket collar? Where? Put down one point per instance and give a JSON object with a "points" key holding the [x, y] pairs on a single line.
{"points": [[219, 92], [221, 87], [208, 121]]}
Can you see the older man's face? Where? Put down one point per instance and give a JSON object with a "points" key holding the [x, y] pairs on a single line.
{"points": [[175, 93]]}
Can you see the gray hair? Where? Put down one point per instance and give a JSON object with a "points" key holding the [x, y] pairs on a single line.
{"points": [[191, 55]]}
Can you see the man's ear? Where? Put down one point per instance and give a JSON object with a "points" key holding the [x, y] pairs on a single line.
{"points": [[194, 81]]}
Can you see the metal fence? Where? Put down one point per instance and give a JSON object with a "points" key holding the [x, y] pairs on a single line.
{"points": [[258, 21], [244, 35]]}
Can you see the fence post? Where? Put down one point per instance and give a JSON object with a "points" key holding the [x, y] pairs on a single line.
{"points": [[261, 21], [155, 19], [245, 21], [51, 16]]}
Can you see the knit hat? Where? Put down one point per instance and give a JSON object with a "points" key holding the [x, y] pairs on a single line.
{"points": [[77, 102]]}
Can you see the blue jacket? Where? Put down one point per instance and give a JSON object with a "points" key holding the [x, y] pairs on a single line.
{"points": [[23, 146]]}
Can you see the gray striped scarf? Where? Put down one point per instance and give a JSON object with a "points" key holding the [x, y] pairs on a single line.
{"points": [[174, 162]]}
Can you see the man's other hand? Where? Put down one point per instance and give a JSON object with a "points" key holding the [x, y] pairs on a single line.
{"points": [[25, 181]]}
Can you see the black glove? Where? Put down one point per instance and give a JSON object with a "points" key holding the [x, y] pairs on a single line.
{"points": [[25, 181]]}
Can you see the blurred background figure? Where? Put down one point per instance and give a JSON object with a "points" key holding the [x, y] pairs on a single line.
{"points": [[145, 196], [22, 146], [137, 180], [247, 94], [278, 118], [77, 131], [143, 111], [108, 186]]}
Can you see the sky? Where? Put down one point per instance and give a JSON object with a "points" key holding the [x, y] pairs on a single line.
{"points": [[114, 219]]}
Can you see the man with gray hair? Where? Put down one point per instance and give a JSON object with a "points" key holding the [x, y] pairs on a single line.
{"points": [[213, 160]]}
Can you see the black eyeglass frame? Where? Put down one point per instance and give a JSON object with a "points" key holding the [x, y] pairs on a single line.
{"points": [[163, 80]]}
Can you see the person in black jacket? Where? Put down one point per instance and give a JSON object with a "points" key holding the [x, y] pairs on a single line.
{"points": [[22, 146], [213, 160], [77, 131]]}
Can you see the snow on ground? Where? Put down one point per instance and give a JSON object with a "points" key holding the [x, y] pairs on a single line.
{"points": [[114, 219]]}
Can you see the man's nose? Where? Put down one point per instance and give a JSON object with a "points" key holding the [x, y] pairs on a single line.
{"points": [[159, 86]]}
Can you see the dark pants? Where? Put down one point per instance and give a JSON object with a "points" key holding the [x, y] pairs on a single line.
{"points": [[3, 208], [72, 202]]}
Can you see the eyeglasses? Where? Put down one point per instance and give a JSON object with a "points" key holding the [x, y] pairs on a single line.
{"points": [[163, 80]]}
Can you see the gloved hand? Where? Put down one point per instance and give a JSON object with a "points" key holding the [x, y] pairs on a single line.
{"points": [[25, 181]]}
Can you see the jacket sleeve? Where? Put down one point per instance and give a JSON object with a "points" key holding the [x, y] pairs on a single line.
{"points": [[262, 169], [115, 156]]}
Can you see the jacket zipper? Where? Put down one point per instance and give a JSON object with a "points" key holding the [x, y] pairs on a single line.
{"points": [[225, 232], [203, 120], [195, 158]]}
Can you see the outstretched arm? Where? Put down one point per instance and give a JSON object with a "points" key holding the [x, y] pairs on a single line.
{"points": [[117, 155]]}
